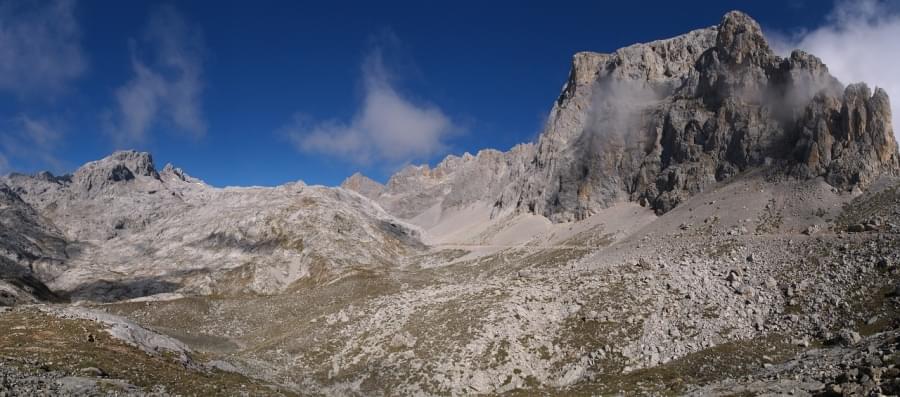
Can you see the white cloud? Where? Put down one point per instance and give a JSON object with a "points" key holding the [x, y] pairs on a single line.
{"points": [[40, 47], [860, 42], [387, 128], [32, 142], [168, 88]]}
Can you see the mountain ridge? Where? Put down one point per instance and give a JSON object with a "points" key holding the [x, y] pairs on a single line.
{"points": [[135, 231], [699, 217], [698, 108]]}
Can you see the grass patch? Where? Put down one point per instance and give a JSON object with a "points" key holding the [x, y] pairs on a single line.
{"points": [[37, 341]]}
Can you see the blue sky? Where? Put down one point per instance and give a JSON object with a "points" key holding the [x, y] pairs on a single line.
{"points": [[266, 92]]}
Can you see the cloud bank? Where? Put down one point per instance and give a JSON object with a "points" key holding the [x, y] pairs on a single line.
{"points": [[40, 47], [167, 87], [386, 128], [860, 42]]}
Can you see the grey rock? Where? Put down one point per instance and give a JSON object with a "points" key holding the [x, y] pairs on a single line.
{"points": [[812, 229], [70, 232], [122, 166], [31, 248], [856, 228], [659, 122], [92, 371], [849, 337], [733, 275]]}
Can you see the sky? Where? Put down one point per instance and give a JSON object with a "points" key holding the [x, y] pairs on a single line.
{"points": [[268, 92]]}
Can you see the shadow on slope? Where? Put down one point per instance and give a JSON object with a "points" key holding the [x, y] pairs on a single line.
{"points": [[119, 290], [21, 279]]}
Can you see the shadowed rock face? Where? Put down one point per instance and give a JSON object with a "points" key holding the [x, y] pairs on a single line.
{"points": [[659, 122], [29, 248]]}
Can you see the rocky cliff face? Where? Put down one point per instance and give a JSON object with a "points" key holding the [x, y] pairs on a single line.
{"points": [[30, 248], [661, 121], [457, 181]]}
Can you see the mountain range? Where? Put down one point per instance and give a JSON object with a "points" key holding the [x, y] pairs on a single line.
{"points": [[698, 216]]}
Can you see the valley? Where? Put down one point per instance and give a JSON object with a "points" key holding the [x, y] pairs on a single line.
{"points": [[731, 229]]}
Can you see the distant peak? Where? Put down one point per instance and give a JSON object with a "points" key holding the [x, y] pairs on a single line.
{"points": [[139, 163], [363, 185], [171, 171], [121, 166]]}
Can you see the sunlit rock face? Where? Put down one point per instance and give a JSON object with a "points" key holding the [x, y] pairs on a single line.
{"points": [[661, 121], [118, 229]]}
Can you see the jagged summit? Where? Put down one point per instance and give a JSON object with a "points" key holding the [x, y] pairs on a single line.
{"points": [[740, 40], [658, 122], [140, 163], [170, 171], [120, 166]]}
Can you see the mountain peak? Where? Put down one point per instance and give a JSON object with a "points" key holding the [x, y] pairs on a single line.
{"points": [[140, 163], [363, 185], [170, 172], [121, 166], [741, 39], [661, 121]]}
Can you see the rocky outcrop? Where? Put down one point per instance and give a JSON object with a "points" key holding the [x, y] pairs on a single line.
{"points": [[659, 122], [848, 140]]}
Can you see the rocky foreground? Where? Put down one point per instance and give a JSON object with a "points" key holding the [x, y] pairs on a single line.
{"points": [[700, 217]]}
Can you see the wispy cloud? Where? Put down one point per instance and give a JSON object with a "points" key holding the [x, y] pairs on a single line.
{"points": [[167, 86], [31, 142], [388, 127], [858, 42], [40, 47]]}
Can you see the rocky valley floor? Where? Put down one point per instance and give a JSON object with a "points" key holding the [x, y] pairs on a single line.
{"points": [[756, 286]]}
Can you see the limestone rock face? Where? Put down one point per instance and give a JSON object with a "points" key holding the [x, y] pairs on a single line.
{"points": [[30, 249], [121, 166], [661, 121], [849, 140], [456, 182], [118, 229]]}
